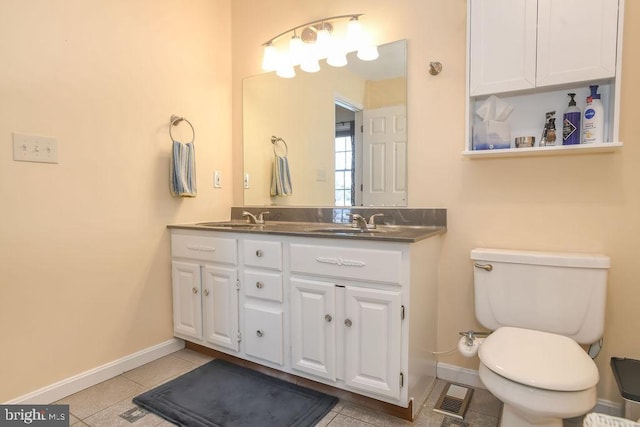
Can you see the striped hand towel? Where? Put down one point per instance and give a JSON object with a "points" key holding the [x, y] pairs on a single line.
{"points": [[183, 170], [281, 177]]}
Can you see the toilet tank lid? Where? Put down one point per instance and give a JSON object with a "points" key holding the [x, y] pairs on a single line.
{"points": [[560, 259]]}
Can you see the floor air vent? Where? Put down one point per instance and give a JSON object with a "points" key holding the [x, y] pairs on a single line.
{"points": [[454, 400]]}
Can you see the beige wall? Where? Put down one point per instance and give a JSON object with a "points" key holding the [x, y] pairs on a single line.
{"points": [[385, 93], [84, 252], [576, 203]]}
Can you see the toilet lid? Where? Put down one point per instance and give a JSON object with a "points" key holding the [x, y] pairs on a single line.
{"points": [[538, 359]]}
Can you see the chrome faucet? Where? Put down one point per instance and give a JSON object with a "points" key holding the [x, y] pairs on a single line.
{"points": [[251, 218], [358, 221]]}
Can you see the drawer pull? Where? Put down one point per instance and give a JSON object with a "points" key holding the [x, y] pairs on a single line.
{"points": [[341, 261], [206, 292], [259, 285], [347, 322], [328, 318], [201, 248], [259, 333], [194, 290], [259, 253]]}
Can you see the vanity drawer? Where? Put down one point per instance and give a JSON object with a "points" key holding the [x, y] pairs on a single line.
{"points": [[263, 334], [261, 253], [259, 284], [205, 248], [378, 265]]}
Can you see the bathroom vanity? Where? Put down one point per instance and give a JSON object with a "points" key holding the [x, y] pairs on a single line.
{"points": [[350, 309]]}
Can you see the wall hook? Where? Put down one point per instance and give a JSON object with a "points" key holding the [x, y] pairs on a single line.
{"points": [[435, 68]]}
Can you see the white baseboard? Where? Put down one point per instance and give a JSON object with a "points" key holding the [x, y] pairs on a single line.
{"points": [[74, 384], [471, 378]]}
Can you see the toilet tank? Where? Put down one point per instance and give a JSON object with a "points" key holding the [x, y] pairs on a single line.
{"points": [[562, 293]]}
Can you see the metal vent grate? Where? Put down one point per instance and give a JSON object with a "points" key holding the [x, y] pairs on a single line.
{"points": [[454, 400]]}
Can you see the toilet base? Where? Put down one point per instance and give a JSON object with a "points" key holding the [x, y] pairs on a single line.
{"points": [[512, 418]]}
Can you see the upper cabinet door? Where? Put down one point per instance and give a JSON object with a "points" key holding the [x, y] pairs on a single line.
{"points": [[576, 40], [502, 45]]}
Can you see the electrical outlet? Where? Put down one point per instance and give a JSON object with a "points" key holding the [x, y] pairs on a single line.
{"points": [[246, 180], [217, 179], [33, 148]]}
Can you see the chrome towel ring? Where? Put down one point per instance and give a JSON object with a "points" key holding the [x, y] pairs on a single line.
{"points": [[175, 121], [274, 141]]}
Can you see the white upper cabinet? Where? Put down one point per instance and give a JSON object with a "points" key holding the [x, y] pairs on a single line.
{"points": [[523, 44], [503, 45]]}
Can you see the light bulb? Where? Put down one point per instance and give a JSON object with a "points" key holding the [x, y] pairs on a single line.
{"points": [[270, 58]]}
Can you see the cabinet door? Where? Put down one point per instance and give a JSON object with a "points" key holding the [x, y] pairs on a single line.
{"points": [[220, 301], [313, 330], [372, 340], [576, 40], [502, 43], [187, 307]]}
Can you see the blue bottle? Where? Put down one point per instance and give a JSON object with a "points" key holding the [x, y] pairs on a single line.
{"points": [[571, 123]]}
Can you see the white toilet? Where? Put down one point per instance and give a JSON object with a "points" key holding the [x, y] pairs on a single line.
{"points": [[541, 306]]}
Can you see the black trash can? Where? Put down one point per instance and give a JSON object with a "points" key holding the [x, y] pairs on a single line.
{"points": [[627, 375]]}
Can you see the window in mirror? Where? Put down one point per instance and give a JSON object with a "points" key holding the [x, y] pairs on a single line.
{"points": [[345, 164]]}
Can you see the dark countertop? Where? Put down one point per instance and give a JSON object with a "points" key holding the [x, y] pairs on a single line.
{"points": [[387, 233]]}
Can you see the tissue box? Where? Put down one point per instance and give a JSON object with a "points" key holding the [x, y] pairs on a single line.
{"points": [[491, 135]]}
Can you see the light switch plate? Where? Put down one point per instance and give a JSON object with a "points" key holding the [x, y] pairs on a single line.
{"points": [[34, 148], [246, 180], [217, 179]]}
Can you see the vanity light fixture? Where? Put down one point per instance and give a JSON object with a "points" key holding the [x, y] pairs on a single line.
{"points": [[315, 41]]}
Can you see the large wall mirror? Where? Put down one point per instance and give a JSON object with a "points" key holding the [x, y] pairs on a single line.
{"points": [[343, 131]]}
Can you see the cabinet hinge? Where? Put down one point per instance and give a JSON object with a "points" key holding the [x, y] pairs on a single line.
{"points": [[402, 312], [238, 284], [239, 336], [401, 380]]}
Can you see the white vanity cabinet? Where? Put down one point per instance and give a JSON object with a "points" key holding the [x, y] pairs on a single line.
{"points": [[531, 54], [205, 288], [355, 314], [522, 44]]}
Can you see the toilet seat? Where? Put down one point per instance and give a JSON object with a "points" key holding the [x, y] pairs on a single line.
{"points": [[538, 359]]}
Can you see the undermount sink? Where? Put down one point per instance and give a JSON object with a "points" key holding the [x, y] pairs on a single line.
{"points": [[228, 224], [345, 230]]}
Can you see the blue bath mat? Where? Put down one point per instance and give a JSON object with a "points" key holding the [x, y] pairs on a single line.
{"points": [[223, 394]]}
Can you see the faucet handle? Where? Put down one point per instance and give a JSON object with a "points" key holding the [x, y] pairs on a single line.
{"points": [[372, 218], [261, 216], [251, 218]]}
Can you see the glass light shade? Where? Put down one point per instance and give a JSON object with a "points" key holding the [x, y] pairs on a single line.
{"points": [[310, 65], [285, 68], [323, 43], [354, 34], [296, 49], [368, 52], [270, 58], [337, 58]]}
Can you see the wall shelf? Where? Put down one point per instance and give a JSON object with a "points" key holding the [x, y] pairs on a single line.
{"points": [[556, 150]]}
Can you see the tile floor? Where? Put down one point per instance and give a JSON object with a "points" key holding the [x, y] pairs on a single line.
{"points": [[109, 403]]}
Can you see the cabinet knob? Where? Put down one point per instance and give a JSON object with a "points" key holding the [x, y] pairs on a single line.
{"points": [[206, 292], [259, 285], [194, 290], [259, 333], [328, 317], [347, 322], [259, 253]]}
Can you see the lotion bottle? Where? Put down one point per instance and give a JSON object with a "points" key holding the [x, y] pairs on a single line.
{"points": [[593, 119], [571, 123]]}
